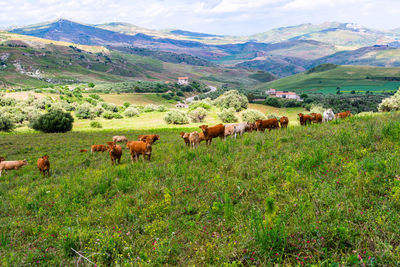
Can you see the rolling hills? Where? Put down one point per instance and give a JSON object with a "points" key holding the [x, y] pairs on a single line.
{"points": [[346, 78]]}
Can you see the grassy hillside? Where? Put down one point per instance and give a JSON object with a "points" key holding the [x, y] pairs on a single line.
{"points": [[348, 78], [324, 194], [25, 63]]}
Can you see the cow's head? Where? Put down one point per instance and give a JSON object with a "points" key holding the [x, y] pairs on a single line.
{"points": [[45, 157], [156, 137], [2, 159], [204, 128], [300, 115], [258, 123], [24, 162], [110, 143]]}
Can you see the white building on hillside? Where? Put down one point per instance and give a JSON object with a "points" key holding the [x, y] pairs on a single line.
{"points": [[283, 94], [183, 80]]}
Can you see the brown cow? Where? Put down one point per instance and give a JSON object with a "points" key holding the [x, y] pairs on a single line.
{"points": [[316, 117], [138, 148], [194, 139], [284, 121], [115, 153], [212, 132], [151, 138], [343, 115], [229, 131], [99, 148], [267, 124], [185, 137], [2, 159], [250, 127], [12, 165], [83, 150], [43, 164], [304, 119]]}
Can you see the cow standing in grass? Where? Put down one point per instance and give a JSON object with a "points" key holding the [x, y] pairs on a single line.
{"points": [[343, 115], [304, 119], [138, 148], [115, 153], [43, 164], [194, 139], [121, 139], [98, 148], [212, 132], [267, 124], [12, 165], [150, 138], [185, 137], [316, 117], [328, 115], [284, 121]]}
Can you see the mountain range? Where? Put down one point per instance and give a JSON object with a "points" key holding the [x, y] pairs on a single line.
{"points": [[283, 51]]}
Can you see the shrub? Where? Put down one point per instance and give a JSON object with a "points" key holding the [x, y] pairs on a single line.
{"points": [[273, 101], [273, 116], [127, 104], [317, 109], [55, 121], [96, 124], [6, 123], [232, 99], [109, 106], [197, 115], [252, 115], [85, 111], [176, 117], [162, 108], [228, 115], [111, 115], [390, 103], [150, 108], [199, 104], [131, 112]]}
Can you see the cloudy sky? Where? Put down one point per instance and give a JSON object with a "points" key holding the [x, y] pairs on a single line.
{"points": [[234, 17]]}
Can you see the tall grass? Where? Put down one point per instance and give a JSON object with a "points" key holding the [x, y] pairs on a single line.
{"points": [[318, 195]]}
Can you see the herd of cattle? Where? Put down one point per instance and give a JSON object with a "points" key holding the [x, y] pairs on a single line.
{"points": [[144, 144]]}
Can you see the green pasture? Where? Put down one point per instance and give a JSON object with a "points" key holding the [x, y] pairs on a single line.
{"points": [[321, 195]]}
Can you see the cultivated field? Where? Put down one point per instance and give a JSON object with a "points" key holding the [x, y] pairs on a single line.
{"points": [[323, 194]]}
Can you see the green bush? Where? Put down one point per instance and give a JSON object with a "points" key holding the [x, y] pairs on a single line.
{"points": [[150, 108], [199, 104], [55, 121], [232, 99], [176, 117], [112, 115], [131, 112], [228, 115], [252, 115], [391, 131], [197, 115], [162, 108], [109, 106], [85, 111], [6, 123], [96, 124], [273, 101]]}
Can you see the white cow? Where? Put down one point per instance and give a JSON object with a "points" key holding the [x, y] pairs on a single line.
{"points": [[328, 115], [240, 128]]}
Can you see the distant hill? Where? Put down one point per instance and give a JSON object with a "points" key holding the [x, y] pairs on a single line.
{"points": [[30, 61], [193, 34], [344, 78]]}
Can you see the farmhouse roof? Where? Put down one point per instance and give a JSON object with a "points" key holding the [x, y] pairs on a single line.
{"points": [[183, 78]]}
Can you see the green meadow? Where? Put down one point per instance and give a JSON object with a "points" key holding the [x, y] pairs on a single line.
{"points": [[319, 195]]}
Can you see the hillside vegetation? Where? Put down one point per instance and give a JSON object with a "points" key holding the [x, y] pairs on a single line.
{"points": [[345, 78], [323, 194]]}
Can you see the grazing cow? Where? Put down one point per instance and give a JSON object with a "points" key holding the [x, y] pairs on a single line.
{"points": [[212, 132], [122, 139], [328, 115], [304, 119], [185, 137], [2, 159], [150, 138], [251, 127], [138, 148], [83, 150], [43, 164], [284, 121], [267, 124], [99, 148], [229, 131], [316, 117], [240, 128], [12, 165], [343, 115], [194, 139], [115, 153]]}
